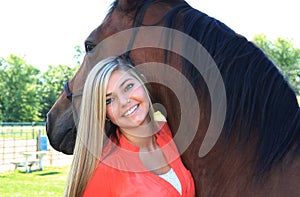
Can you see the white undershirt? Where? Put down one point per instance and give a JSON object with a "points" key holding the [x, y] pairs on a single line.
{"points": [[172, 178]]}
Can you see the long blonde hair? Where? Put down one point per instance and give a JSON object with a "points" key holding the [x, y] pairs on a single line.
{"points": [[91, 133]]}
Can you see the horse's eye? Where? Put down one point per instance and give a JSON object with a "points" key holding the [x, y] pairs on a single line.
{"points": [[89, 46]]}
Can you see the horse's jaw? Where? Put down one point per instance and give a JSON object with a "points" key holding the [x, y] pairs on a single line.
{"points": [[61, 131]]}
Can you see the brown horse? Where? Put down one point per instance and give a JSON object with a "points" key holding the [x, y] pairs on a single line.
{"points": [[256, 151]]}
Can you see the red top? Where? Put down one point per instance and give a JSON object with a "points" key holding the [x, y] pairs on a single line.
{"points": [[121, 173]]}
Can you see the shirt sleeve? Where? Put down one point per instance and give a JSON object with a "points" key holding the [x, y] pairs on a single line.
{"points": [[166, 131]]}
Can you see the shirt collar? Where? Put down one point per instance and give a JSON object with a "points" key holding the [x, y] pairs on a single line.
{"points": [[126, 144]]}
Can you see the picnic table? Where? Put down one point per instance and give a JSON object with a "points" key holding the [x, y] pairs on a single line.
{"points": [[30, 158]]}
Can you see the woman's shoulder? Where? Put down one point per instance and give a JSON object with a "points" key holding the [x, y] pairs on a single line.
{"points": [[103, 170], [162, 123], [100, 181], [164, 129]]}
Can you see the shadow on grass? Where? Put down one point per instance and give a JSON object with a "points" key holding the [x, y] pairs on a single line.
{"points": [[49, 173], [39, 172]]}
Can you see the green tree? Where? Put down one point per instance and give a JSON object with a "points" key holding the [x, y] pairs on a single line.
{"points": [[2, 85], [27, 94], [285, 56], [18, 100], [51, 86], [53, 79], [79, 54]]}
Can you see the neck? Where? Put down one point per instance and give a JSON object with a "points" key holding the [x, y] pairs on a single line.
{"points": [[142, 136]]}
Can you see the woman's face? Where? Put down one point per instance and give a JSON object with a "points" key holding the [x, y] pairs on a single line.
{"points": [[127, 104]]}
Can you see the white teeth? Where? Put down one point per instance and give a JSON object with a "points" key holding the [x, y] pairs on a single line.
{"points": [[130, 111]]}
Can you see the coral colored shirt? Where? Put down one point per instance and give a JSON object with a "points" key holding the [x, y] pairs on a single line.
{"points": [[121, 173]]}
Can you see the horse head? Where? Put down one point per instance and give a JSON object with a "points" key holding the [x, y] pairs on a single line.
{"points": [[261, 123], [62, 117]]}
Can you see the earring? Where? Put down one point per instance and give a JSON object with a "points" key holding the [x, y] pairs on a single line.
{"points": [[128, 101]]}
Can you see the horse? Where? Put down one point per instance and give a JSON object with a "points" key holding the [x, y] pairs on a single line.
{"points": [[256, 150]]}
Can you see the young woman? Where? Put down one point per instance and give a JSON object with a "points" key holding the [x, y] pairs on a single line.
{"points": [[121, 150]]}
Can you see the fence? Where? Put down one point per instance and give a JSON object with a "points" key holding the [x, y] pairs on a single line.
{"points": [[16, 138]]}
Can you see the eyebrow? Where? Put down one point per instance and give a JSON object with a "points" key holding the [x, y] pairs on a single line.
{"points": [[128, 79]]}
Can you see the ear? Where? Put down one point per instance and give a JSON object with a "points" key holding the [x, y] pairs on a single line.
{"points": [[127, 4]]}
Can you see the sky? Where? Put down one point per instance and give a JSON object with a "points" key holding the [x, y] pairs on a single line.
{"points": [[45, 32]]}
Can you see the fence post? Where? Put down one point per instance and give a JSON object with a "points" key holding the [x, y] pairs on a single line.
{"points": [[38, 141], [19, 137], [32, 124], [51, 158]]}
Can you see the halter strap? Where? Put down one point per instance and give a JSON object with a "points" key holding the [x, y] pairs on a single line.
{"points": [[69, 94], [67, 90]]}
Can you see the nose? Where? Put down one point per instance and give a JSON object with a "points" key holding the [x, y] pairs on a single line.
{"points": [[124, 99]]}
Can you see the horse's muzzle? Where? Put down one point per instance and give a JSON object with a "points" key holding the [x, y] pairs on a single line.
{"points": [[61, 135]]}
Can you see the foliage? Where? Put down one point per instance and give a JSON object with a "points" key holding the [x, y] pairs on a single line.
{"points": [[27, 93], [52, 81], [285, 56], [49, 182], [18, 84], [79, 54], [51, 85]]}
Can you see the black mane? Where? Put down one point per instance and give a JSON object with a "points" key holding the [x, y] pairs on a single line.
{"points": [[258, 96]]}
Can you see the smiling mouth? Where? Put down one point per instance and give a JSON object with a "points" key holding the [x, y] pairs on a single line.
{"points": [[131, 110]]}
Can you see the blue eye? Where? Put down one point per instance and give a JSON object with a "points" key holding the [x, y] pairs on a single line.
{"points": [[109, 101], [129, 86]]}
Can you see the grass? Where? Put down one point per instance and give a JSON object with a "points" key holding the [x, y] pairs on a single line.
{"points": [[48, 183]]}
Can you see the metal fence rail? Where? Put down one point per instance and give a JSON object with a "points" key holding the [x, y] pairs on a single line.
{"points": [[16, 138]]}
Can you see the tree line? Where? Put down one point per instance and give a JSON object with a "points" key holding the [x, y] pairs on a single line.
{"points": [[286, 57], [27, 94]]}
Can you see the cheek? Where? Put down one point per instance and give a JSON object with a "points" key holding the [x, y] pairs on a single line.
{"points": [[110, 112], [146, 99], [140, 94]]}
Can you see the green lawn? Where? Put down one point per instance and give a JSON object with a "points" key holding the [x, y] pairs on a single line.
{"points": [[47, 183]]}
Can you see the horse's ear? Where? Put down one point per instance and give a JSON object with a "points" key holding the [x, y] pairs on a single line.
{"points": [[127, 4]]}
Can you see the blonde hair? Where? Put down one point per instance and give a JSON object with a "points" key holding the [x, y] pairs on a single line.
{"points": [[92, 128]]}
